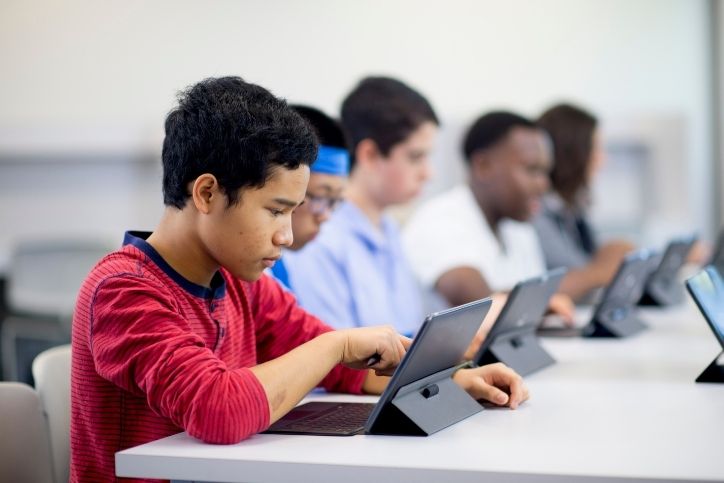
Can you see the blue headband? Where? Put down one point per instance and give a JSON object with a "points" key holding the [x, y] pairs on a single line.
{"points": [[331, 160]]}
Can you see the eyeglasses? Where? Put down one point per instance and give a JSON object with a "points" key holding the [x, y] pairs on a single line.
{"points": [[319, 205]]}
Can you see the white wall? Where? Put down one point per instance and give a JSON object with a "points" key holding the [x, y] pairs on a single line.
{"points": [[94, 79]]}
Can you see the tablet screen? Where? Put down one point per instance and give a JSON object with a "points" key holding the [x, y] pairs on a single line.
{"points": [[439, 345], [707, 289]]}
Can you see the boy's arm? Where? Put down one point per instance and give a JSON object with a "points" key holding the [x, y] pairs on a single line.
{"points": [[466, 284], [283, 325], [142, 345], [374, 384], [462, 284], [599, 272], [287, 379]]}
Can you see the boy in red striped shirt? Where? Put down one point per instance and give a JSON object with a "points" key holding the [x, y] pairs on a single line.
{"points": [[179, 330]]}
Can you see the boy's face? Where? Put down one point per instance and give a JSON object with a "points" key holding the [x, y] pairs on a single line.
{"points": [[247, 238], [406, 168], [520, 175], [323, 194]]}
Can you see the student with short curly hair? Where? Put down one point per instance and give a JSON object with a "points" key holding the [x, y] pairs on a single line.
{"points": [[474, 239]]}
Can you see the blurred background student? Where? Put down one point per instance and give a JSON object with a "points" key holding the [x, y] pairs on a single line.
{"points": [[475, 239], [566, 235], [565, 232], [355, 273]]}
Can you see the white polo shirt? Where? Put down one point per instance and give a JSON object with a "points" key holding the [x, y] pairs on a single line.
{"points": [[450, 231]]}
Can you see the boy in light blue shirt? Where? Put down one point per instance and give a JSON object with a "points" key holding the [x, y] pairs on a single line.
{"points": [[354, 273]]}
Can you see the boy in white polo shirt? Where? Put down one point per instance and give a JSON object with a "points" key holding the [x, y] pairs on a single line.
{"points": [[475, 239]]}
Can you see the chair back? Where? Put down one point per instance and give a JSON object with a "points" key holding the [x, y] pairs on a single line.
{"points": [[24, 449], [51, 371], [45, 275]]}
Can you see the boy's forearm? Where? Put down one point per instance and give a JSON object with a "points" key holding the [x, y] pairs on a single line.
{"points": [[374, 384], [579, 282], [287, 379]]}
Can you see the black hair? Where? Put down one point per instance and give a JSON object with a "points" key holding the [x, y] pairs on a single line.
{"points": [[571, 130], [237, 131], [490, 129], [329, 131], [384, 110]]}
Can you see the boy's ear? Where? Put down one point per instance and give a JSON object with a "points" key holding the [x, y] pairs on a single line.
{"points": [[205, 192], [481, 165], [366, 152]]}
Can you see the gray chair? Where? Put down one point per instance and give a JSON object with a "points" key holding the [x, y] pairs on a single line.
{"points": [[24, 448], [43, 281], [51, 371]]}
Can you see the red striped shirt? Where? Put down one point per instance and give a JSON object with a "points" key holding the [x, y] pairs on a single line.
{"points": [[154, 354]]}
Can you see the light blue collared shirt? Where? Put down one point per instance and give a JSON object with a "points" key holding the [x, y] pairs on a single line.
{"points": [[355, 275]]}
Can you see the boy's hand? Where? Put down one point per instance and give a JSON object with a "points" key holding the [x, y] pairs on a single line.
{"points": [[562, 305], [496, 383], [378, 348]]}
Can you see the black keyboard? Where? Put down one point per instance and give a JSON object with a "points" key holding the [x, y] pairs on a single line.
{"points": [[324, 418]]}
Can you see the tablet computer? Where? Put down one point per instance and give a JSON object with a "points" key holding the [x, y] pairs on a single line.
{"points": [[615, 315], [512, 339], [707, 290], [424, 376], [663, 286]]}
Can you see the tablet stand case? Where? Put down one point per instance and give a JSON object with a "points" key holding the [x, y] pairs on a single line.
{"points": [[426, 406], [522, 352], [713, 373], [619, 325]]}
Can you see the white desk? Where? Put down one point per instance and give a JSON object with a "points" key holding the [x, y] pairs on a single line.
{"points": [[609, 410]]}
